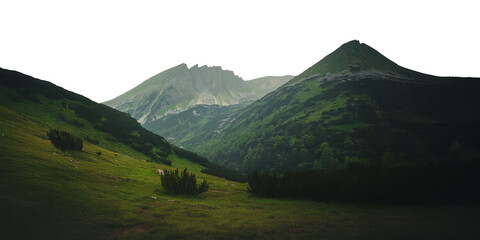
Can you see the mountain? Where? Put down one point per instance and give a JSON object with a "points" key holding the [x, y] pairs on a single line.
{"points": [[354, 105], [179, 88]]}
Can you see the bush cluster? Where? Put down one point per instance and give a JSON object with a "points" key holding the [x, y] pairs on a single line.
{"points": [[64, 140], [182, 182]]}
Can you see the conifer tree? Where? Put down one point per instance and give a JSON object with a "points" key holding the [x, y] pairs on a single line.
{"points": [[182, 182]]}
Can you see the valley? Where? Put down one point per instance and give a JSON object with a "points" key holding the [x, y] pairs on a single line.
{"points": [[50, 194], [354, 111]]}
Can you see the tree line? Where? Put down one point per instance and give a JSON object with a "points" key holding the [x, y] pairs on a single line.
{"points": [[360, 183]]}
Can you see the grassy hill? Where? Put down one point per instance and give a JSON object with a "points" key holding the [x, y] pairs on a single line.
{"points": [[56, 107], [354, 105], [47, 193]]}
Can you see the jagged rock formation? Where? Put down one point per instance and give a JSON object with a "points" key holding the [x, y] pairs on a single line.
{"points": [[179, 88]]}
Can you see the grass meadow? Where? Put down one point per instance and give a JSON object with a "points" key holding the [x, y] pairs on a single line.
{"points": [[46, 193]]}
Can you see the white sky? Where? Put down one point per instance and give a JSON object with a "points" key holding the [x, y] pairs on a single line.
{"points": [[101, 49]]}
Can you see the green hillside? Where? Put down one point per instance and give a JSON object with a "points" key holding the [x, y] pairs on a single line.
{"points": [[55, 107], [179, 88], [354, 105], [195, 126], [50, 194]]}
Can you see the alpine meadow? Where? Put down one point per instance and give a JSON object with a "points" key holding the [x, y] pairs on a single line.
{"points": [[354, 147]]}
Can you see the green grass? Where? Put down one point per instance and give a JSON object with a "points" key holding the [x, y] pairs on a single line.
{"points": [[50, 194]]}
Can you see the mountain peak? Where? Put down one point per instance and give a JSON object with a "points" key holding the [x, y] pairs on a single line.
{"points": [[184, 67], [205, 67], [352, 56], [181, 66], [353, 43]]}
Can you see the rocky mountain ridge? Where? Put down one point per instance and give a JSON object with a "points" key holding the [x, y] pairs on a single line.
{"points": [[179, 88]]}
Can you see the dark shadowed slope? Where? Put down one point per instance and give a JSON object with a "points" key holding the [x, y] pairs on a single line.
{"points": [[353, 105]]}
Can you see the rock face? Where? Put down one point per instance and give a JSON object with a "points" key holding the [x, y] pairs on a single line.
{"points": [[179, 88]]}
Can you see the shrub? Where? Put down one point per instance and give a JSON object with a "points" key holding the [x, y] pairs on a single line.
{"points": [[64, 140], [182, 182]]}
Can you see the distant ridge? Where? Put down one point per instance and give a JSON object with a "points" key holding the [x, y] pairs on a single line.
{"points": [[178, 88]]}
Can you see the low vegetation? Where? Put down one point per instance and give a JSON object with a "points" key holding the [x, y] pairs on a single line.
{"points": [[182, 182]]}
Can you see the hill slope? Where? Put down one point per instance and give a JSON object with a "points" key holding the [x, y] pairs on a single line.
{"points": [[56, 107], [353, 105], [96, 123], [176, 89], [195, 126]]}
